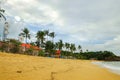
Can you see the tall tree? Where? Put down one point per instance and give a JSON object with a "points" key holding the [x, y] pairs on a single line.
{"points": [[67, 45], [72, 48], [86, 50], [25, 34], [56, 46], [46, 33], [40, 38], [1, 13], [52, 35], [79, 47], [49, 46], [60, 44]]}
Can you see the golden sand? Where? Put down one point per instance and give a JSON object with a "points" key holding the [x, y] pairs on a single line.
{"points": [[23, 67]]}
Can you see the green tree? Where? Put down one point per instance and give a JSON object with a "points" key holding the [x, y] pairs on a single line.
{"points": [[33, 44], [25, 34], [49, 46], [1, 14], [72, 48], [60, 44], [79, 47], [14, 45], [56, 46], [40, 38], [3, 47], [67, 46], [52, 35], [46, 33]]}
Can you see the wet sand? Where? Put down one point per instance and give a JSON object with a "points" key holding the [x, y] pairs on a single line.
{"points": [[24, 67]]}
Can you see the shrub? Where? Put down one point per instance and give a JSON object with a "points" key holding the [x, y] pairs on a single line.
{"points": [[15, 49], [41, 53], [29, 51]]}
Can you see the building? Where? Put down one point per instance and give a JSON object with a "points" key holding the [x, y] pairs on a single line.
{"points": [[30, 49]]}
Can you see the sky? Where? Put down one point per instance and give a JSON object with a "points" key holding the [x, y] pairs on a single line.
{"points": [[93, 24]]}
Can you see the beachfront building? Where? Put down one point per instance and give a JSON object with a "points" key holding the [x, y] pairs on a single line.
{"points": [[28, 48]]}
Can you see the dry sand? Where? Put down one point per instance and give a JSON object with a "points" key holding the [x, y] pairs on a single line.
{"points": [[23, 67]]}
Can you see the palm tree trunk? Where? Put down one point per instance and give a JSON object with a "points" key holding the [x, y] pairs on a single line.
{"points": [[26, 43], [26, 39]]}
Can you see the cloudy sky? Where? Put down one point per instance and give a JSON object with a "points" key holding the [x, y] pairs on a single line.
{"points": [[94, 24]]}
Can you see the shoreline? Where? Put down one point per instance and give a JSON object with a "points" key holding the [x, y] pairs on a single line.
{"points": [[24, 67], [110, 68]]}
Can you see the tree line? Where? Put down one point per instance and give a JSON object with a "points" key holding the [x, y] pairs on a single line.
{"points": [[45, 40], [68, 50]]}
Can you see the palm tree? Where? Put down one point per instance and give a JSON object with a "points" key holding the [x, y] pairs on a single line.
{"points": [[52, 35], [56, 46], [25, 34], [79, 47], [46, 33], [67, 45], [72, 48], [86, 50], [49, 46], [40, 38], [1, 14], [60, 44]]}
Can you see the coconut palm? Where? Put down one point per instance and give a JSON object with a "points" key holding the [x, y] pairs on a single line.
{"points": [[49, 46], [52, 35], [79, 47], [46, 33], [25, 34], [67, 45], [1, 14], [40, 38], [60, 44], [86, 50], [72, 48], [56, 46]]}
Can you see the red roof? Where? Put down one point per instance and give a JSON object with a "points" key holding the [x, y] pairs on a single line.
{"points": [[30, 46], [26, 45], [35, 47]]}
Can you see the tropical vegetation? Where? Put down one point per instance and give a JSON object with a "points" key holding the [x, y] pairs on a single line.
{"points": [[49, 47]]}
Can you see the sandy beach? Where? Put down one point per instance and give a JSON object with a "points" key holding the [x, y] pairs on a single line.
{"points": [[24, 67]]}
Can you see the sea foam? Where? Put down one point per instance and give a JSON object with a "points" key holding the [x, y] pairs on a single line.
{"points": [[113, 66]]}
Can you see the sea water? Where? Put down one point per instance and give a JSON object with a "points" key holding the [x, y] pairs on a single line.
{"points": [[113, 66]]}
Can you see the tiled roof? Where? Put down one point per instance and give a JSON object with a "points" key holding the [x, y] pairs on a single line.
{"points": [[30, 46]]}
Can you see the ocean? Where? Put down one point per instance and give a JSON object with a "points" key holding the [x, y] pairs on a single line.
{"points": [[113, 66]]}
